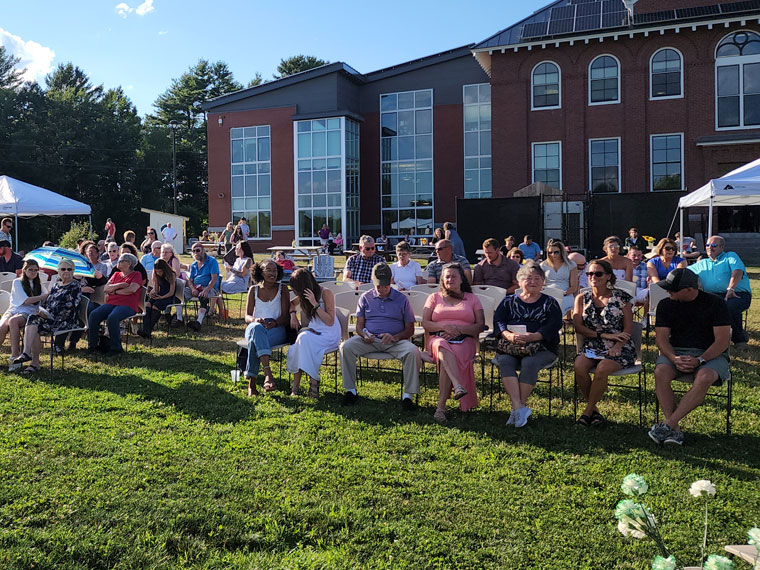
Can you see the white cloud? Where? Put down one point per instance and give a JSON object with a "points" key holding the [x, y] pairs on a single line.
{"points": [[36, 58], [123, 9], [145, 8], [163, 32]]}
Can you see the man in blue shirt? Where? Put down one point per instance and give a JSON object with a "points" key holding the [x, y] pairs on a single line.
{"points": [[384, 323], [203, 281], [149, 259], [530, 249], [724, 274]]}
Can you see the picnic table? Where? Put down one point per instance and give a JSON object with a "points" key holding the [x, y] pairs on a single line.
{"points": [[302, 252]]}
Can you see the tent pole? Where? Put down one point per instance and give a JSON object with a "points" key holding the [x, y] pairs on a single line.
{"points": [[90, 226], [710, 217], [16, 225], [680, 232]]}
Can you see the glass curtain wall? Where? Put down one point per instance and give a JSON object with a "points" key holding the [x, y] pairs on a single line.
{"points": [[477, 141], [251, 179], [406, 163]]}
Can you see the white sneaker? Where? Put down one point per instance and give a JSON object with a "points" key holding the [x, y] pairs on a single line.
{"points": [[523, 415], [512, 418]]}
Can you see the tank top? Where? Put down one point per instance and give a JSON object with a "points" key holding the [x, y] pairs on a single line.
{"points": [[268, 309]]}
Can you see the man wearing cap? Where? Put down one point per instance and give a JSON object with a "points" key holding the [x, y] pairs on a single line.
{"points": [[384, 323], [693, 331], [10, 261], [724, 274]]}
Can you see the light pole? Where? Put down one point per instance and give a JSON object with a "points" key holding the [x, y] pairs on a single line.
{"points": [[174, 125]]}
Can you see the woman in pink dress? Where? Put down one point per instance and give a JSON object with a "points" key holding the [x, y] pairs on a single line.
{"points": [[454, 318]]}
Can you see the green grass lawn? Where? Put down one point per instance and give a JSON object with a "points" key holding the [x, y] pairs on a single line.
{"points": [[156, 460]]}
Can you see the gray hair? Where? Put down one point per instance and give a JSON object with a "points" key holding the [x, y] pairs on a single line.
{"points": [[157, 243], [129, 258], [67, 262], [529, 267], [366, 239]]}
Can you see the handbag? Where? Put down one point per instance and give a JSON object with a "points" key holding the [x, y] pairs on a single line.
{"points": [[519, 350]]}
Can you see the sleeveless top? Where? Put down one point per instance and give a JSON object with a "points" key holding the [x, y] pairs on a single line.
{"points": [[268, 309]]}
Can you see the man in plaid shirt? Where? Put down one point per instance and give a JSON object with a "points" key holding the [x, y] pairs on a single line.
{"points": [[359, 266], [639, 274]]}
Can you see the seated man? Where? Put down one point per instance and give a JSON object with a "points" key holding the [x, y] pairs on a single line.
{"points": [[10, 261], [359, 266], [203, 283], [530, 249], [495, 269], [724, 274], [384, 323], [689, 250], [693, 330], [580, 263], [640, 276], [445, 254], [149, 259]]}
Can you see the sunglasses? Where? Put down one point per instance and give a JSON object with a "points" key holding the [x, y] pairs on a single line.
{"points": [[197, 250], [595, 273], [441, 248], [368, 248], [65, 269], [713, 245], [552, 253], [669, 248]]}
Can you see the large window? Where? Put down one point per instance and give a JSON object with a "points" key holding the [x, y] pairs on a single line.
{"points": [[737, 77], [477, 141], [545, 84], [666, 74], [406, 162], [327, 178], [604, 165], [547, 163], [604, 80], [251, 186], [667, 161]]}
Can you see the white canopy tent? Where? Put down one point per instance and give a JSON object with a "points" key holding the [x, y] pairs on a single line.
{"points": [[740, 187], [20, 199]]}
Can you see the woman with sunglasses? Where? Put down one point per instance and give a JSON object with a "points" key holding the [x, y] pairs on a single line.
{"points": [[665, 261], [561, 272], [60, 311], [150, 237], [604, 317], [622, 267]]}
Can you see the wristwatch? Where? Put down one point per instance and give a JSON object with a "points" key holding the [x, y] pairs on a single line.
{"points": [[701, 361]]}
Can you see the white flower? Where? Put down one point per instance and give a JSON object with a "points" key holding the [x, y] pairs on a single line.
{"points": [[702, 487], [626, 530], [661, 563], [715, 562], [634, 485], [753, 536]]}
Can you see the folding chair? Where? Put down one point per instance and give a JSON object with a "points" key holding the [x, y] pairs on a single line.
{"points": [[637, 368], [129, 322], [83, 319], [426, 287], [179, 295], [5, 301], [627, 286], [7, 276], [6, 286], [336, 287], [364, 287]]}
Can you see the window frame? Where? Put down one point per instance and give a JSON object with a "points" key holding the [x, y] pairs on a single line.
{"points": [[532, 86], [619, 73], [741, 61], [479, 156], [619, 166], [533, 160], [651, 162], [271, 208], [652, 97]]}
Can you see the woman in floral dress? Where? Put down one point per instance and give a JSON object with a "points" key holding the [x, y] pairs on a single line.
{"points": [[604, 317]]}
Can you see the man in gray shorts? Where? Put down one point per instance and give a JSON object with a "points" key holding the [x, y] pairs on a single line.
{"points": [[693, 331]]}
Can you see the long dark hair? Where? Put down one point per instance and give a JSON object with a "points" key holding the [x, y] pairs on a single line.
{"points": [[258, 270], [465, 284], [32, 288], [246, 248], [301, 280], [607, 269], [168, 274]]}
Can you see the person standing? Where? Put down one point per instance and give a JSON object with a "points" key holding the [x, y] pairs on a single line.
{"points": [[110, 230], [10, 261], [451, 234], [6, 229], [723, 274], [169, 233], [243, 223], [635, 239], [324, 235]]}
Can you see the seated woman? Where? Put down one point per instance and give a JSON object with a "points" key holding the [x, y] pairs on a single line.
{"points": [[162, 294], [287, 264], [170, 257], [339, 243], [561, 272], [665, 261], [130, 248], [123, 300], [406, 272], [516, 255], [148, 241], [89, 284], [531, 322], [622, 267], [60, 311], [321, 332], [239, 274], [26, 295], [604, 317], [454, 318], [509, 243], [267, 313]]}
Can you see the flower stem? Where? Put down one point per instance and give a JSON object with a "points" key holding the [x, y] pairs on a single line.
{"points": [[704, 539]]}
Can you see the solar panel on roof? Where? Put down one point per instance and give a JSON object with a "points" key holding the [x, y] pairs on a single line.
{"points": [[652, 17], [561, 20], [534, 29], [695, 12], [589, 9], [744, 6]]}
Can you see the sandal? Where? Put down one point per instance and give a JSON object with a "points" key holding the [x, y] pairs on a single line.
{"points": [[295, 392], [584, 421], [597, 420], [30, 369], [314, 389], [460, 392], [252, 391], [440, 416], [21, 358], [268, 379]]}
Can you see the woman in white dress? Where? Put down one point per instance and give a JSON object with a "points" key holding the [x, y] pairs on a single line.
{"points": [[238, 274], [561, 272], [406, 272], [26, 295], [320, 333]]}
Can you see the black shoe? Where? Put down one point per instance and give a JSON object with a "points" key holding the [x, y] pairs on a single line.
{"points": [[113, 352], [195, 325], [408, 405], [91, 349], [349, 399], [176, 324], [142, 333]]}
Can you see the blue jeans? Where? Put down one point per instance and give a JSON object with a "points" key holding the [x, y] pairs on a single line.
{"points": [[260, 343], [736, 306], [112, 315]]}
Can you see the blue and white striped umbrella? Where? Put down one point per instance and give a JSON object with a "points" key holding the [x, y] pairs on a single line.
{"points": [[49, 257]]}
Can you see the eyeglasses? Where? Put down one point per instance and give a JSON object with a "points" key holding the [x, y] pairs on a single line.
{"points": [[669, 248], [65, 269], [613, 246], [442, 248], [554, 252], [368, 247], [197, 250], [595, 273], [713, 245], [34, 269]]}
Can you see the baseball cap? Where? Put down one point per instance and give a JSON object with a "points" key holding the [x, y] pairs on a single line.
{"points": [[381, 274], [4, 243], [680, 278]]}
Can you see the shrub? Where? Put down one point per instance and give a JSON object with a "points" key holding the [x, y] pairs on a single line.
{"points": [[77, 231]]}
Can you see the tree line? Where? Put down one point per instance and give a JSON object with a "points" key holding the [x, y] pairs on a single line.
{"points": [[88, 143]]}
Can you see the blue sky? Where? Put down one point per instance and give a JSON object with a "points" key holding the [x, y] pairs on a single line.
{"points": [[143, 44]]}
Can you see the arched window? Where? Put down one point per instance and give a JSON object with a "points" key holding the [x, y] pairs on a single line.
{"points": [[546, 86], [604, 80], [737, 80], [666, 74]]}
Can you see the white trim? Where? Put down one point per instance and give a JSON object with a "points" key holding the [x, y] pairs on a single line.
{"points": [[533, 160], [619, 73], [651, 59], [559, 86], [727, 143], [741, 61], [620, 164], [297, 229], [651, 162]]}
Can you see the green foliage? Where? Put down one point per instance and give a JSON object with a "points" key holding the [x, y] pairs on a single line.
{"points": [[257, 80], [10, 76], [298, 63], [77, 231]]}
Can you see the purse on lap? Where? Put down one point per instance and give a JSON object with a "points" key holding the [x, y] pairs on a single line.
{"points": [[519, 350]]}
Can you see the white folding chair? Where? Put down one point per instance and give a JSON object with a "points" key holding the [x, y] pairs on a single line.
{"points": [[627, 286], [496, 293], [7, 276], [6, 286], [364, 287], [336, 287], [428, 287], [5, 301]]}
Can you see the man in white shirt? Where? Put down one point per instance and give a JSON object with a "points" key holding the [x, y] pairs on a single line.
{"points": [[169, 232]]}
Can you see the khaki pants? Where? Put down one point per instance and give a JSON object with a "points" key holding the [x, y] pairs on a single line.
{"points": [[403, 350]]}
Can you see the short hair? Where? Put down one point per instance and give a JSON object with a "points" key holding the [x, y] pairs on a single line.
{"points": [[635, 247], [528, 237], [662, 243], [448, 226], [611, 239], [510, 238], [530, 266], [491, 242], [129, 235], [258, 270], [633, 230], [518, 251], [67, 262], [132, 248], [157, 243], [403, 246], [84, 245], [168, 245], [7, 220], [366, 239], [606, 266], [129, 258]]}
